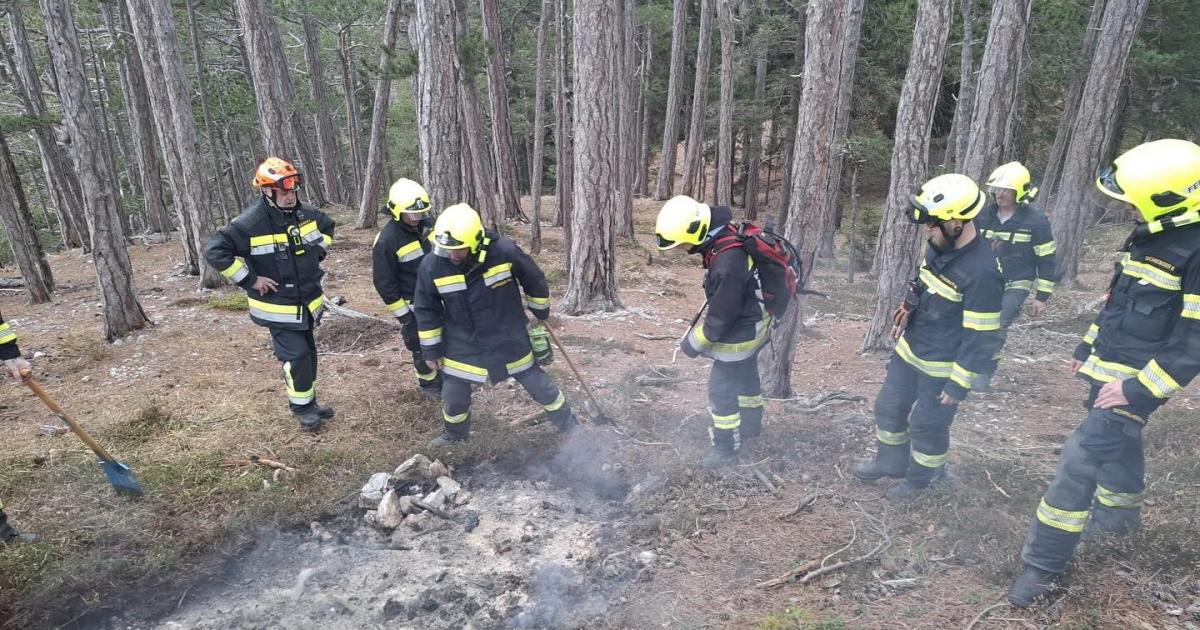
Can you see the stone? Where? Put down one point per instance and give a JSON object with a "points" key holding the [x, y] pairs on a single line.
{"points": [[449, 487], [416, 467], [372, 492], [438, 469], [435, 499], [647, 558], [462, 498], [416, 522], [389, 515]]}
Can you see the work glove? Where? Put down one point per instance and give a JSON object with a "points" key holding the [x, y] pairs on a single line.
{"points": [[686, 347], [543, 353], [406, 318]]}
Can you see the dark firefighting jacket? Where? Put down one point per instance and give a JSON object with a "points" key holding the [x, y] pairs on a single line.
{"points": [[472, 315], [396, 257], [1149, 329], [287, 247], [8, 341], [736, 324], [954, 331], [1024, 246]]}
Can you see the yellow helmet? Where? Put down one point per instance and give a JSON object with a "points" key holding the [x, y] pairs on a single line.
{"points": [[1015, 177], [458, 227], [682, 220], [407, 197], [946, 198], [1157, 178]]}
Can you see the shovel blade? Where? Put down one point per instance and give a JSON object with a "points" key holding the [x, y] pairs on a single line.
{"points": [[121, 478]]}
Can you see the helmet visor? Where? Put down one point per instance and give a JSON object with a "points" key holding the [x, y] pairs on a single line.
{"points": [[418, 206], [1108, 179], [919, 214], [446, 240], [287, 183]]}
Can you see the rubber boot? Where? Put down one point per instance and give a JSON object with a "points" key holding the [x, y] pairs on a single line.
{"points": [[890, 461], [324, 412], [446, 439], [310, 420], [1112, 522], [1032, 584], [431, 392], [908, 490], [9, 534], [724, 451], [564, 422]]}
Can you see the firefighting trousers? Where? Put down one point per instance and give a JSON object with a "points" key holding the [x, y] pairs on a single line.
{"points": [[1010, 309], [6, 531], [912, 426], [1099, 485], [427, 377], [735, 402], [456, 400], [298, 351]]}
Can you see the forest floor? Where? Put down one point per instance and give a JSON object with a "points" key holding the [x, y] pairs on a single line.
{"points": [[611, 527]]}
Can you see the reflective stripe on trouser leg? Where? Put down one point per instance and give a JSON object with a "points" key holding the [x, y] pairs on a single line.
{"points": [[543, 390], [1120, 492], [893, 404], [456, 406], [1062, 512], [297, 350], [427, 377], [724, 386], [929, 431], [750, 400]]}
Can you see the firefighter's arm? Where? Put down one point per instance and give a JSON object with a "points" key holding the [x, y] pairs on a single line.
{"points": [[428, 307], [327, 225], [1179, 360], [981, 335], [227, 251], [723, 307], [385, 273], [1047, 261], [533, 283]]}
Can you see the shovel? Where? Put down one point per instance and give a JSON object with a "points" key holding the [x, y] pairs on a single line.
{"points": [[695, 320], [593, 408], [118, 474]]}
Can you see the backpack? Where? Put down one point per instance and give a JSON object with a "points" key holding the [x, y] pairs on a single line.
{"points": [[776, 259]]}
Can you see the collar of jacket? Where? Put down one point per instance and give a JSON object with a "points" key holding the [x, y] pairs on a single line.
{"points": [[943, 258], [1179, 221]]}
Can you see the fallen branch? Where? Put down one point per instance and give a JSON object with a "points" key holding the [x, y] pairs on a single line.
{"points": [[656, 337], [982, 613], [438, 512], [655, 381], [998, 488], [789, 576], [335, 306], [820, 401], [530, 420], [805, 502], [883, 544], [765, 481], [261, 461]]}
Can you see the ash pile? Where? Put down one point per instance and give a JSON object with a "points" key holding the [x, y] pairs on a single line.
{"points": [[419, 489]]}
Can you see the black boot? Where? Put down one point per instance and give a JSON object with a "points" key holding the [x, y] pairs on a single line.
{"points": [[566, 422], [725, 445], [324, 412], [751, 426], [890, 461], [431, 392], [446, 439], [310, 420], [718, 457], [908, 490], [1032, 584], [9, 534]]}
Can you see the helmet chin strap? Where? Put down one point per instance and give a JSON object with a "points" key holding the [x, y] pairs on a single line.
{"points": [[948, 235], [271, 200]]}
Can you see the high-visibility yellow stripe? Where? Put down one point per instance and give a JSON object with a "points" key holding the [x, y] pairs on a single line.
{"points": [[427, 376], [268, 239], [981, 320], [1024, 285], [750, 402], [1106, 371], [731, 421], [520, 365], [556, 404], [1045, 249], [497, 273], [7, 334], [317, 305], [939, 286], [296, 396], [455, 419], [1090, 336], [1066, 520], [1122, 500], [445, 280], [961, 375], [1045, 286], [537, 303], [430, 337], [399, 308], [282, 309], [327, 239], [730, 352], [928, 461], [1187, 218], [411, 251], [235, 272], [936, 369], [1151, 274], [891, 438], [1191, 306], [464, 370], [1158, 381]]}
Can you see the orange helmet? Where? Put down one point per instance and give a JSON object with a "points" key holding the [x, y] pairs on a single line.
{"points": [[277, 173]]}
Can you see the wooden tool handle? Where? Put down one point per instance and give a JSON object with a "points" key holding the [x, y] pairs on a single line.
{"points": [[571, 364], [58, 411]]}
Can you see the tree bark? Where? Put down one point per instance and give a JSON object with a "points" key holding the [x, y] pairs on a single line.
{"points": [[789, 148], [755, 145], [502, 142], [851, 35], [815, 152], [693, 159], [353, 121], [368, 205], [642, 182], [306, 160], [592, 281], [670, 141], [999, 72], [22, 236], [537, 165], [433, 36], [331, 154], [725, 126], [1054, 163], [1098, 106], [956, 142], [61, 179], [623, 70], [899, 245], [114, 273], [564, 177], [278, 135]]}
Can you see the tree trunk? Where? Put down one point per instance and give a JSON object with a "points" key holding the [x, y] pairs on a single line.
{"points": [[812, 167], [98, 70], [353, 122], [1054, 164], [331, 155], [432, 34], [789, 149], [899, 245], [278, 135], [306, 160], [999, 72], [852, 31], [114, 273], [725, 126], [539, 130], [592, 281], [564, 177], [755, 145], [642, 186], [368, 205], [61, 179], [694, 154], [1071, 206], [137, 106], [670, 141], [956, 142], [214, 145], [22, 236], [502, 142]]}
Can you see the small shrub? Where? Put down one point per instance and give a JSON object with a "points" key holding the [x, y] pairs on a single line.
{"points": [[228, 302]]}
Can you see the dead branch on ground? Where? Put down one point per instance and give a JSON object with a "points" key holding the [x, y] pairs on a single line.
{"points": [[804, 503], [261, 461]]}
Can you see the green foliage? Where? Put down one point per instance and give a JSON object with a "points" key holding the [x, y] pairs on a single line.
{"points": [[228, 302], [799, 619]]}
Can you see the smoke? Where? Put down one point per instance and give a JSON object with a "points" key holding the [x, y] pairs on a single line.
{"points": [[584, 462]]}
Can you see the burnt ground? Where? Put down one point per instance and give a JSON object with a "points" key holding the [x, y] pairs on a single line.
{"points": [[613, 528]]}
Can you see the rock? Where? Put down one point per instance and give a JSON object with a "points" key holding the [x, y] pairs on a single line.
{"points": [[438, 469], [647, 558], [371, 518], [450, 488], [39, 354], [390, 514], [85, 379], [416, 522], [416, 467], [462, 498], [320, 533], [372, 492], [406, 505], [435, 499]]}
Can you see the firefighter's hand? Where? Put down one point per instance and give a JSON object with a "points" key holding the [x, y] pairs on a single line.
{"points": [[948, 400], [899, 321], [1112, 395], [265, 285], [1038, 308], [435, 364], [16, 367], [1075, 365]]}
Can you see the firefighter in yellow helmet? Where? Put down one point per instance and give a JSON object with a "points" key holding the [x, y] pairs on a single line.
{"points": [[397, 253], [274, 250], [15, 364], [470, 302], [1020, 236], [946, 331], [1143, 348]]}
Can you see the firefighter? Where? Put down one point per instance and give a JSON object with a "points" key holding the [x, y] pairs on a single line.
{"points": [[399, 248], [1020, 237], [274, 250], [946, 331], [735, 328], [1143, 347], [471, 321], [16, 365]]}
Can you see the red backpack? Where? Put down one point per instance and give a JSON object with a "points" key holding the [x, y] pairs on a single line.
{"points": [[776, 260]]}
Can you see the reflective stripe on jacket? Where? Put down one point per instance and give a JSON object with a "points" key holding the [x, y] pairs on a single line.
{"points": [[1024, 247]]}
